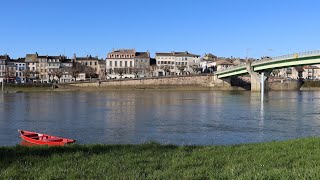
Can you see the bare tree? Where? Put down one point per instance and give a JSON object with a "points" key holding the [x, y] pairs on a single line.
{"points": [[136, 71], [165, 68], [151, 69], [120, 71], [275, 73], [27, 74], [76, 69], [90, 72], [59, 73], [195, 69], [181, 69], [9, 73]]}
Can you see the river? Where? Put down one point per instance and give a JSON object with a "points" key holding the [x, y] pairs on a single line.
{"points": [[168, 117]]}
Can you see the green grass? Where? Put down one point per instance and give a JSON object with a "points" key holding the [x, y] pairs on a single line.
{"points": [[293, 159]]}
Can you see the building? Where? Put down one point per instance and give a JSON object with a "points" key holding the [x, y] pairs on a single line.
{"points": [[3, 61], [33, 66], [65, 71], [120, 63], [21, 73], [102, 69], [210, 57], [176, 63], [142, 64], [88, 61], [10, 72], [311, 72]]}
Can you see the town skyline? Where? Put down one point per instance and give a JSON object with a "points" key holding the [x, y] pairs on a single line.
{"points": [[224, 28]]}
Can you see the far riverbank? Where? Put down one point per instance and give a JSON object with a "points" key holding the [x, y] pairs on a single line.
{"points": [[192, 83]]}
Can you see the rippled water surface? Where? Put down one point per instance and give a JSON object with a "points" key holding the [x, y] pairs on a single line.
{"points": [[168, 117]]}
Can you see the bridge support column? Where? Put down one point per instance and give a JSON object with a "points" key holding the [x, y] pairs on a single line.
{"points": [[258, 81]]}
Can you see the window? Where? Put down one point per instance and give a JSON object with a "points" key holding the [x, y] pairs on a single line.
{"points": [[125, 64], [116, 63], [130, 63], [110, 63], [90, 63], [120, 63], [95, 63]]}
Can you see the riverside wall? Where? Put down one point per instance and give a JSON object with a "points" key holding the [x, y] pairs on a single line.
{"points": [[201, 82], [195, 82]]}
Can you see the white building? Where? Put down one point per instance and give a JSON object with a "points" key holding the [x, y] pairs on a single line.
{"points": [[120, 63], [20, 70], [176, 63]]}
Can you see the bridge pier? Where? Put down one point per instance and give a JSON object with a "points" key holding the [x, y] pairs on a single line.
{"points": [[257, 84], [258, 80]]}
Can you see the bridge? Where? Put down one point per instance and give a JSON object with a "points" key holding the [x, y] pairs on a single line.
{"points": [[261, 69]]}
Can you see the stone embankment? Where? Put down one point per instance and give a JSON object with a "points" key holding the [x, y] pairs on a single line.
{"points": [[194, 82]]}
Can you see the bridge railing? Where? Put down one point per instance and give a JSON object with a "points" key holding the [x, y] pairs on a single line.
{"points": [[241, 65], [284, 57], [297, 55]]}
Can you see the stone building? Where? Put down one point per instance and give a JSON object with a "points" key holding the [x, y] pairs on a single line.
{"points": [[142, 64], [120, 63], [3, 61], [96, 64], [33, 66], [47, 67], [176, 63]]}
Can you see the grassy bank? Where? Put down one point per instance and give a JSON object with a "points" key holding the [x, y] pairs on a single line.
{"points": [[27, 87], [294, 159]]}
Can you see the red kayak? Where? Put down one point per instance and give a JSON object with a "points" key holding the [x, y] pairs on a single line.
{"points": [[44, 139]]}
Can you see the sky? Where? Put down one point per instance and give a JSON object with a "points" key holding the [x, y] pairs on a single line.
{"points": [[226, 28]]}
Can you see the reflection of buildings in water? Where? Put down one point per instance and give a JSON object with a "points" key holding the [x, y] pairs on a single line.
{"points": [[120, 122]]}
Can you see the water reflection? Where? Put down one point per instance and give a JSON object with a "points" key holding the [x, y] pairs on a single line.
{"points": [[178, 117]]}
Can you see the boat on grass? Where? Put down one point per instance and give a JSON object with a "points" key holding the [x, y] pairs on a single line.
{"points": [[44, 139]]}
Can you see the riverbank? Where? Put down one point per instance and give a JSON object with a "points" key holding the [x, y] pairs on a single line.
{"points": [[293, 159]]}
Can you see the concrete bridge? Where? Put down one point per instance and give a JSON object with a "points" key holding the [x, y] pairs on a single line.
{"points": [[261, 69]]}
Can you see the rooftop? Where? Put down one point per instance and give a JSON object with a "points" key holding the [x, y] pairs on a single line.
{"points": [[142, 55], [178, 54]]}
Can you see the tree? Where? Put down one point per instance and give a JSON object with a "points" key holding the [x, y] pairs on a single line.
{"points": [[152, 69], [181, 69], [59, 73], [275, 73], [9, 73], [120, 71], [136, 71], [27, 74], [35, 74], [165, 68], [195, 68], [76, 69], [90, 71]]}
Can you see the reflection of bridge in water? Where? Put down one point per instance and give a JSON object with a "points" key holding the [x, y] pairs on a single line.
{"points": [[261, 69]]}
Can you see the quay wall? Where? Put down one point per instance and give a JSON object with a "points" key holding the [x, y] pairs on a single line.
{"points": [[203, 82]]}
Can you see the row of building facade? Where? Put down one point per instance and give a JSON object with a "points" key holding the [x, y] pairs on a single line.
{"points": [[124, 63]]}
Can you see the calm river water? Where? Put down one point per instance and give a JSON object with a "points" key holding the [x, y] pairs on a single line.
{"points": [[168, 117]]}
